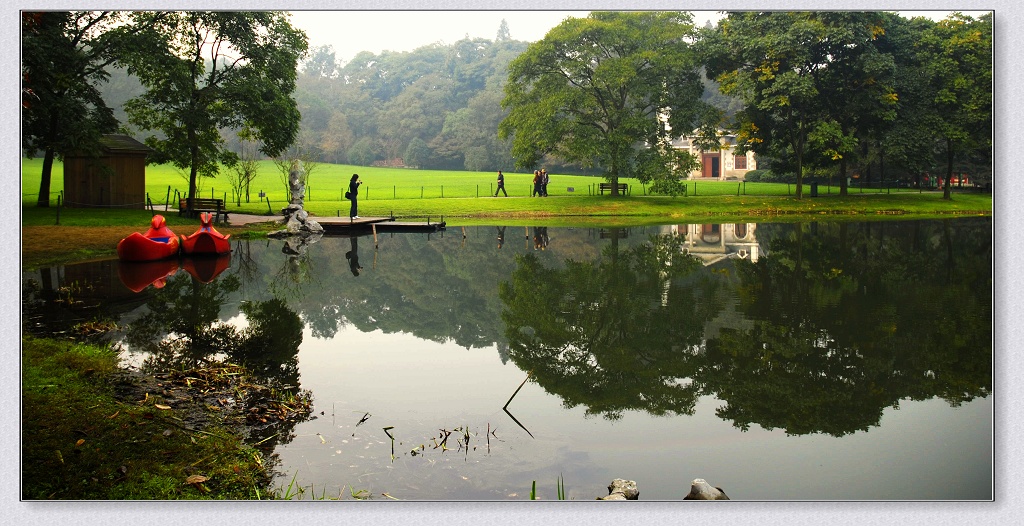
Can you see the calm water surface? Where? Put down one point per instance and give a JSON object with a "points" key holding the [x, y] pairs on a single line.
{"points": [[777, 361]]}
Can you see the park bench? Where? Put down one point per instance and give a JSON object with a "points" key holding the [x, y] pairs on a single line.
{"points": [[623, 188], [216, 206]]}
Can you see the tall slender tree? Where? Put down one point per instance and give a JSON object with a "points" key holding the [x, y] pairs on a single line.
{"points": [[956, 59]]}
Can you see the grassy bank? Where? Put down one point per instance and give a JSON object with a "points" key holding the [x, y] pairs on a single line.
{"points": [[464, 197], [568, 211], [52, 235], [83, 438]]}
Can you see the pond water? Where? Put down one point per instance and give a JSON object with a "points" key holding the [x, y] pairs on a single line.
{"points": [[815, 361]]}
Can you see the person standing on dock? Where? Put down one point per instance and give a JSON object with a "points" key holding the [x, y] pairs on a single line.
{"points": [[501, 184], [353, 192]]}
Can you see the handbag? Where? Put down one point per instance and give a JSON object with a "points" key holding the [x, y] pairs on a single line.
{"points": [[348, 195]]}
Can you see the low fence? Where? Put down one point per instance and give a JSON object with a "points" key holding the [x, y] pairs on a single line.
{"points": [[693, 188]]}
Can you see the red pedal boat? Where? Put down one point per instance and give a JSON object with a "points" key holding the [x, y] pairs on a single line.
{"points": [[157, 243], [206, 241]]}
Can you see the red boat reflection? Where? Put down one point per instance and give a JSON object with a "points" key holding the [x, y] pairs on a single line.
{"points": [[205, 269], [137, 275]]}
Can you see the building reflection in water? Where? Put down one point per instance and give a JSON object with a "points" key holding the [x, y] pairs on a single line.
{"points": [[712, 243]]}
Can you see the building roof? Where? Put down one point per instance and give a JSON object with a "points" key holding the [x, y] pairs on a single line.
{"points": [[115, 143]]}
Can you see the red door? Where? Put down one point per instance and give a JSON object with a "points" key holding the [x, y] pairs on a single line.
{"points": [[711, 163]]}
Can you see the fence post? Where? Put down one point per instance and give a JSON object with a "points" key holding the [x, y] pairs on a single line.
{"points": [[442, 191], [58, 208], [269, 209]]}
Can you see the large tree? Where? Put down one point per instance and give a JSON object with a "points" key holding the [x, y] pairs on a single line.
{"points": [[209, 70], [956, 62], [64, 56], [596, 91], [787, 66]]}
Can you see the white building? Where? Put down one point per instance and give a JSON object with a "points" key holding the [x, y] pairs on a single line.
{"points": [[721, 165]]}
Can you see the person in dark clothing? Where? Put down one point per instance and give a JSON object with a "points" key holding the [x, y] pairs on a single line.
{"points": [[501, 236], [544, 182], [501, 184], [353, 191], [536, 183], [353, 256]]}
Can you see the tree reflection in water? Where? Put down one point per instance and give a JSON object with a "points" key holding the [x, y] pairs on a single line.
{"points": [[615, 334], [182, 330], [837, 323], [851, 319]]}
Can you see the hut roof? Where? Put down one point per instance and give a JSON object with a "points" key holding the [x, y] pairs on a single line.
{"points": [[115, 143]]}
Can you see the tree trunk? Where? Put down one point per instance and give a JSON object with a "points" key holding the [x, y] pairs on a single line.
{"points": [[949, 170], [43, 201], [193, 171], [842, 176], [44, 183]]}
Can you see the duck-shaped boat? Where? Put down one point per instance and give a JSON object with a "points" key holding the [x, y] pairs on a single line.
{"points": [[206, 241], [158, 242]]}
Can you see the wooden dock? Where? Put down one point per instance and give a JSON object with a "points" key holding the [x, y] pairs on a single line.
{"points": [[344, 225]]}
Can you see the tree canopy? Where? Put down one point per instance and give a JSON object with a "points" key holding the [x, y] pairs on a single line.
{"points": [[64, 59], [596, 90], [208, 71]]}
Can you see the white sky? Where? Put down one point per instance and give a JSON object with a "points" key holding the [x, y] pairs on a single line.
{"points": [[350, 32]]}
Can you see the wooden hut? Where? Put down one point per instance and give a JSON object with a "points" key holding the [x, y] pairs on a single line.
{"points": [[114, 177]]}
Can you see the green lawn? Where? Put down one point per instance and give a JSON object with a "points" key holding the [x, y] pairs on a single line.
{"points": [[466, 198]]}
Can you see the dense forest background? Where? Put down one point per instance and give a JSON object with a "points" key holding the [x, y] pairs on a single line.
{"points": [[436, 107]]}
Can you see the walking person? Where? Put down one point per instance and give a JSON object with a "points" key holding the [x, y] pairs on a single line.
{"points": [[353, 192], [544, 182], [536, 183], [501, 184]]}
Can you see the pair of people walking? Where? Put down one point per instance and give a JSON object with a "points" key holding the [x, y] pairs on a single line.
{"points": [[540, 183]]}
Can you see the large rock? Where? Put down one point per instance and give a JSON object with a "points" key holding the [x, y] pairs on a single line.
{"points": [[701, 490], [298, 190], [621, 489]]}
